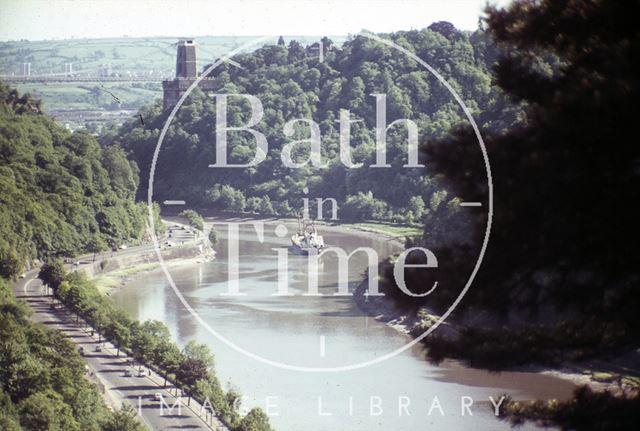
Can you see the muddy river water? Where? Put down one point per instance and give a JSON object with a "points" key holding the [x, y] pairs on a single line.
{"points": [[402, 393]]}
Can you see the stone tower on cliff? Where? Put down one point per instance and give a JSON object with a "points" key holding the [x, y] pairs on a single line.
{"points": [[186, 74], [186, 59]]}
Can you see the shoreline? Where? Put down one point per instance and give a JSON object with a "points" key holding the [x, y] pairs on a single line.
{"points": [[111, 273], [343, 228], [109, 281], [577, 374]]}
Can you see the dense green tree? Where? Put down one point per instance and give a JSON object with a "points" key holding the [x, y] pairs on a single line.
{"points": [[558, 177], [364, 206], [253, 204], [167, 356], [42, 384], [266, 207], [213, 236], [124, 420], [255, 420], [8, 423], [123, 173], [60, 192], [194, 219], [560, 273], [52, 274], [417, 206], [145, 338], [46, 411], [588, 410], [292, 84], [212, 390], [96, 245], [199, 352], [191, 371], [119, 333], [9, 418], [10, 263]]}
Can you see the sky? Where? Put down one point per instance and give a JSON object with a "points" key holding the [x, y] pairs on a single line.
{"points": [[63, 19]]}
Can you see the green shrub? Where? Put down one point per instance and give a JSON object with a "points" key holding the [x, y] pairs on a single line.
{"points": [[195, 219]]}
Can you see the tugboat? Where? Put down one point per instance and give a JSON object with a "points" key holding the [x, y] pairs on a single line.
{"points": [[307, 238]]}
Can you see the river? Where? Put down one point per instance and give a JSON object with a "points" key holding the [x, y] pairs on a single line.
{"points": [[398, 394]]}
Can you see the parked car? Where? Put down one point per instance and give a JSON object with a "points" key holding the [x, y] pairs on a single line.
{"points": [[141, 372], [98, 348], [81, 351], [127, 373]]}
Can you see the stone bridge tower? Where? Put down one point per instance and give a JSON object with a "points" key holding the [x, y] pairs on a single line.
{"points": [[186, 74], [186, 59]]}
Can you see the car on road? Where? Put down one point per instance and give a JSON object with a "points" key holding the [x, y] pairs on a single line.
{"points": [[127, 373], [98, 348], [141, 372], [157, 396]]}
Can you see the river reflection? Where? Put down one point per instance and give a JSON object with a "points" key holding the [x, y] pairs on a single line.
{"points": [[397, 394]]}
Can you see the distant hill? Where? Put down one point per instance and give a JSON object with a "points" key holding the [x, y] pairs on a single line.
{"points": [[140, 56]]}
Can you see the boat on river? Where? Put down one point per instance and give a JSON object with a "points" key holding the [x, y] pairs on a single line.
{"points": [[306, 239]]}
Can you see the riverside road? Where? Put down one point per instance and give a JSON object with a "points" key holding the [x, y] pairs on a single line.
{"points": [[158, 407]]}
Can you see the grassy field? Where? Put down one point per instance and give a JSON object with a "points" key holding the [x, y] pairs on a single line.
{"points": [[59, 96], [399, 231], [123, 54], [115, 279]]}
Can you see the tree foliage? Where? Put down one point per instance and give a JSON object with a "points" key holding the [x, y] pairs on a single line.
{"points": [[562, 232], [588, 410], [61, 194], [42, 383], [124, 420], [255, 420], [195, 220], [561, 268], [291, 84]]}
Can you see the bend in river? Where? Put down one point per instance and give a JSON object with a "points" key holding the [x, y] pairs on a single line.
{"points": [[329, 331]]}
